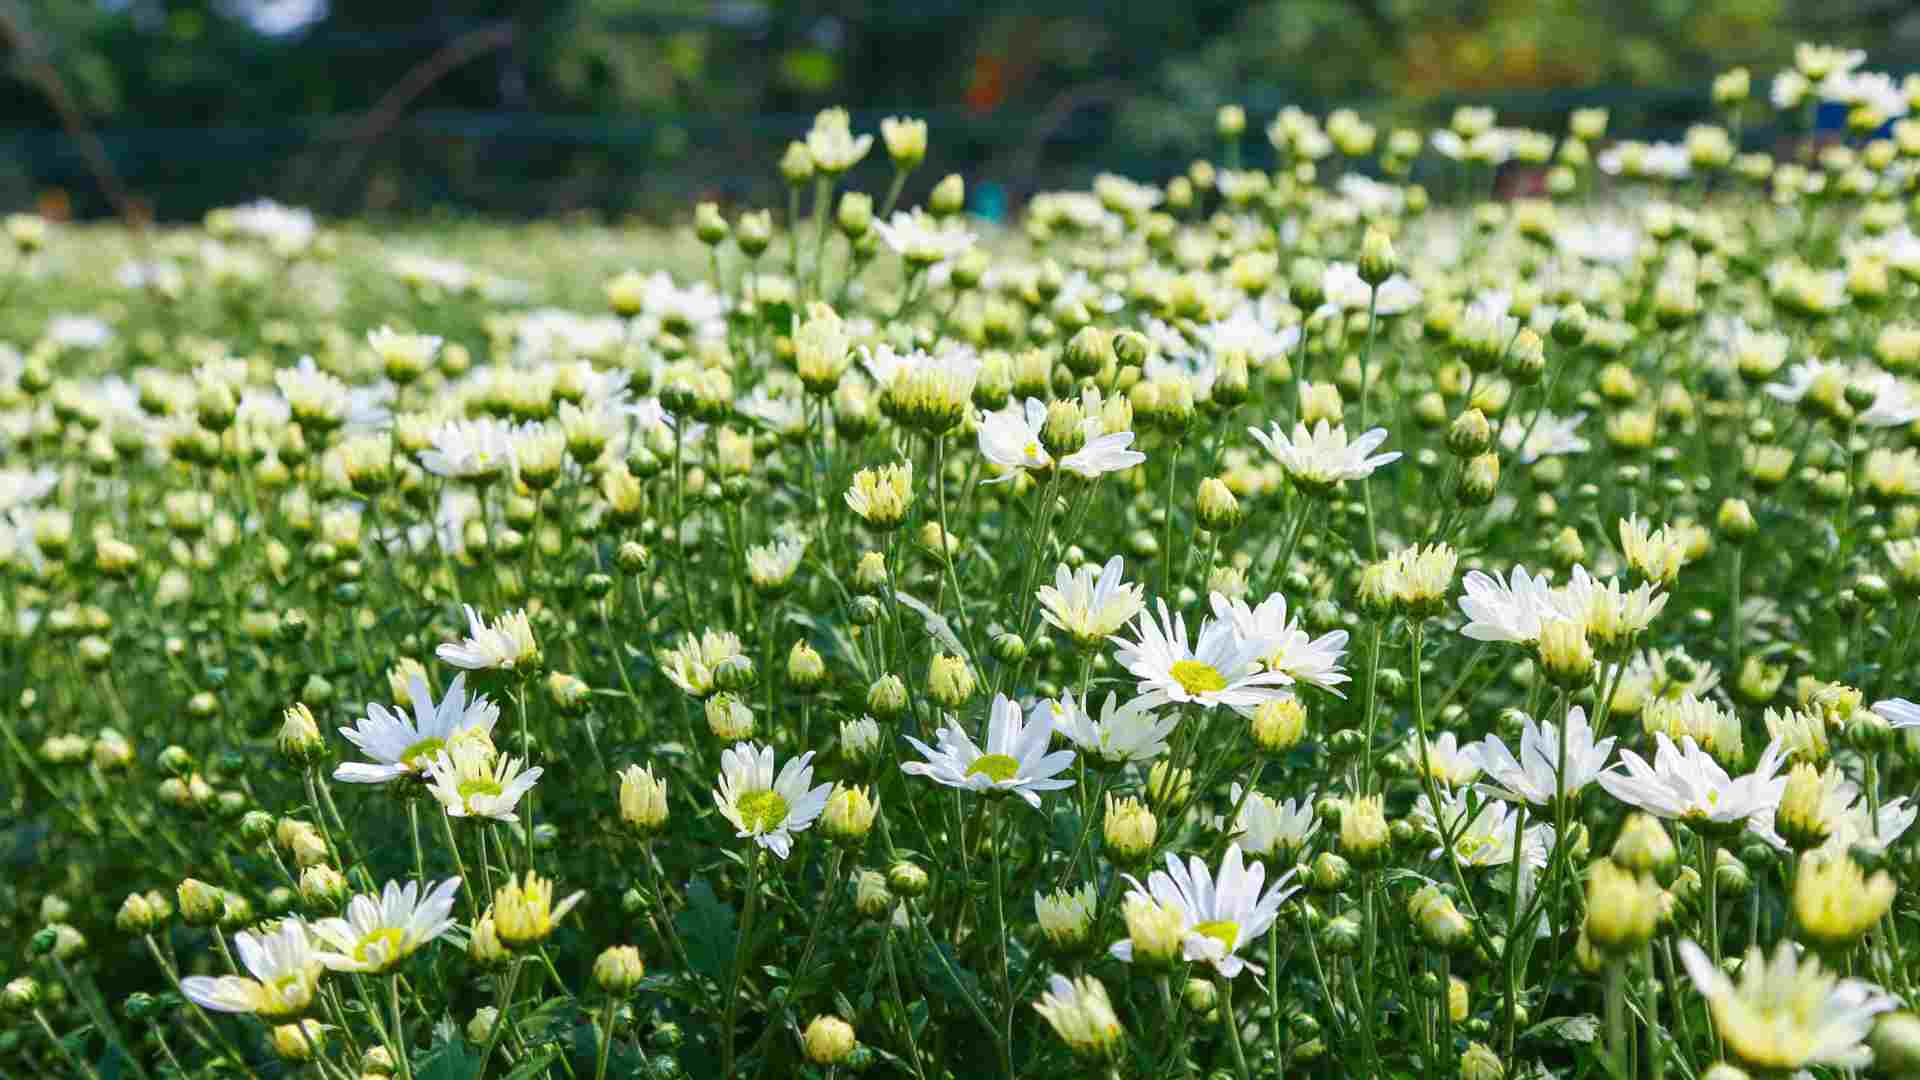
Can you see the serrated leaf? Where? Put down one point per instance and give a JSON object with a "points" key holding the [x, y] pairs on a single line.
{"points": [[708, 931]]}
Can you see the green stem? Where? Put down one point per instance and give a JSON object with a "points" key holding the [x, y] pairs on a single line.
{"points": [[1232, 1022]]}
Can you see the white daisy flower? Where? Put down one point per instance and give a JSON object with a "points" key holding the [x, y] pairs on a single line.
{"points": [[919, 237], [285, 970], [378, 933], [1787, 1013], [1102, 454], [1448, 761], [766, 808], [1535, 776], [1295, 654], [1090, 605], [506, 644], [1223, 914], [1220, 668], [1123, 733], [1685, 783], [1506, 611], [1014, 761], [1482, 837], [1319, 459], [1551, 436], [1267, 826], [400, 747], [1010, 439], [477, 450], [471, 780]]}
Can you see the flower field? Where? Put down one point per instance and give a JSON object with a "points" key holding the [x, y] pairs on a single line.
{"points": [[1321, 620]]}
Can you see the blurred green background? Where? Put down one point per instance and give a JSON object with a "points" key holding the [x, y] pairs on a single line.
{"points": [[541, 107]]}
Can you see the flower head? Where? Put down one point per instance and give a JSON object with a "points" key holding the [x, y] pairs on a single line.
{"points": [[764, 807], [506, 644], [1220, 914], [1537, 776], [402, 747], [1120, 734], [471, 780], [1090, 605], [1014, 761], [1786, 1012], [1319, 459], [1219, 668], [380, 932], [285, 971], [1082, 1015], [1685, 783]]}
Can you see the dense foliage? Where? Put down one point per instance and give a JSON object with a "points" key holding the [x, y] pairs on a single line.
{"points": [[1254, 625]]}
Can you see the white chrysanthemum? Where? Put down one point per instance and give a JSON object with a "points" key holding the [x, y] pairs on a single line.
{"points": [[1133, 732], [285, 970], [919, 237], [1509, 610], [1246, 334], [1536, 776], [1609, 614], [695, 661], [314, 396], [1323, 457], [764, 807], [1220, 668], [470, 450], [400, 747], [1104, 453], [1446, 760], [1014, 761], [1684, 783], [1482, 837], [1010, 439], [1089, 605], [1551, 436], [1786, 1012], [378, 933], [506, 644], [471, 780], [1267, 826], [1080, 1012], [1293, 653], [1222, 914]]}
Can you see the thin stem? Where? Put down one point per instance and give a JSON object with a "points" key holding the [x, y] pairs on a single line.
{"points": [[1232, 1022]]}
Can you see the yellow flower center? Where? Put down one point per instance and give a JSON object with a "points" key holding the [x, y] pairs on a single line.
{"points": [[479, 785], [1032, 451], [1198, 677], [762, 811], [1224, 931], [383, 946], [417, 755], [998, 768]]}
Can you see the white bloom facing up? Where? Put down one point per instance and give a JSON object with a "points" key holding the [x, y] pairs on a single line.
{"points": [[1321, 458], [1535, 776], [1014, 761], [506, 644], [1786, 1012], [285, 971], [1123, 733], [922, 239], [471, 780], [1267, 826], [1509, 610], [1295, 654], [1010, 439], [764, 807], [1222, 914], [1220, 668], [380, 932], [1685, 783], [400, 747], [1089, 605], [476, 450]]}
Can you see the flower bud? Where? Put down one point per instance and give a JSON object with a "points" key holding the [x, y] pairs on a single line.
{"points": [[887, 698], [708, 225], [1130, 829], [907, 879], [299, 740], [1377, 259], [136, 915], [849, 815], [1216, 507], [643, 801], [1834, 901], [1364, 836], [1623, 908], [298, 1041], [948, 197], [1279, 724], [1565, 655], [950, 681], [200, 903], [1479, 1062], [871, 898], [618, 970], [480, 1028], [828, 1040], [1470, 435]]}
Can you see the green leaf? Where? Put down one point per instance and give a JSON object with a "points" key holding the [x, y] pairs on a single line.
{"points": [[449, 1061], [958, 986], [535, 1064], [707, 929], [1570, 1029]]}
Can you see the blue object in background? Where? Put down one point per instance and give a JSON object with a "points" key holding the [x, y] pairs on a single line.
{"points": [[990, 201]]}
